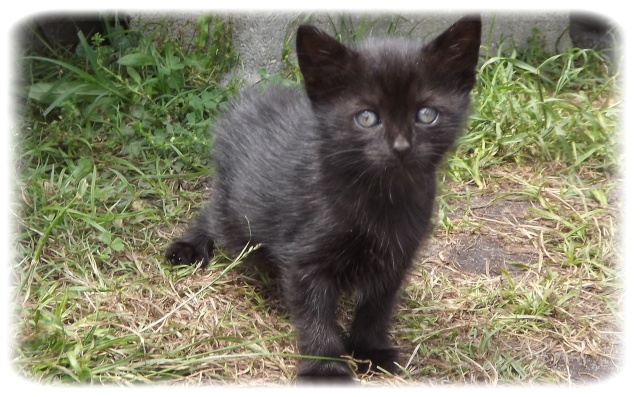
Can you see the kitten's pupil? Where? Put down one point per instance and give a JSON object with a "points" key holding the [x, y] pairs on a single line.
{"points": [[427, 115], [367, 119]]}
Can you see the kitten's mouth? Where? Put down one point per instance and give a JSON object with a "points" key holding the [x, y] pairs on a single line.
{"points": [[396, 163]]}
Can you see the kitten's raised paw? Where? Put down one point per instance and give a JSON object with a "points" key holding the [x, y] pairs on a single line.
{"points": [[180, 252], [319, 372]]}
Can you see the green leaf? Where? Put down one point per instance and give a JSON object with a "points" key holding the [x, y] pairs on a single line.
{"points": [[136, 59], [81, 168], [117, 244], [134, 75], [523, 65], [45, 92], [55, 94], [92, 57], [78, 72], [174, 63], [106, 237]]}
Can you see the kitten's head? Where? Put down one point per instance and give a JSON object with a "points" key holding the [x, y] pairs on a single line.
{"points": [[390, 102]]}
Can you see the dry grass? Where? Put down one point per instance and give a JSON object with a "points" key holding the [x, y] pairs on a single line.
{"points": [[519, 284]]}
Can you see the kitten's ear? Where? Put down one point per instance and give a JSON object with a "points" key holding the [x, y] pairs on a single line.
{"points": [[456, 51], [324, 62]]}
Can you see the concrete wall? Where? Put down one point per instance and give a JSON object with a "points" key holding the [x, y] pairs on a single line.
{"points": [[260, 37]]}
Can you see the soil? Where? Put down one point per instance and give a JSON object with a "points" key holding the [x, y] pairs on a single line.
{"points": [[500, 245], [488, 250]]}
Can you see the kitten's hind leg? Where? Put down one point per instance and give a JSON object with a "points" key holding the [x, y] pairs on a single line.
{"points": [[193, 247]]}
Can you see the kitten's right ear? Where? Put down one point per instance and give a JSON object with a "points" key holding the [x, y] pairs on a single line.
{"points": [[324, 62]]}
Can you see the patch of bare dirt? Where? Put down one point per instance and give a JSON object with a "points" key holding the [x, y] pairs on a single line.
{"points": [[502, 234], [498, 244]]}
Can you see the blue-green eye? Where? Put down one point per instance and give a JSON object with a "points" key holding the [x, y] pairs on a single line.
{"points": [[367, 119], [427, 116]]}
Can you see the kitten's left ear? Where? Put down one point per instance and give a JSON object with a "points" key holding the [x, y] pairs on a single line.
{"points": [[324, 62], [456, 52]]}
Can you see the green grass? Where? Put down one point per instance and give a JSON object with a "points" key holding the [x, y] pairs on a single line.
{"points": [[519, 283]]}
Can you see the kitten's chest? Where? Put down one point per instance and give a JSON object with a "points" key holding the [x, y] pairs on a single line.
{"points": [[359, 259], [384, 211], [376, 236]]}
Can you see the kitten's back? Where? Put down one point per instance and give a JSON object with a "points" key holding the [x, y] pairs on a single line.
{"points": [[262, 155]]}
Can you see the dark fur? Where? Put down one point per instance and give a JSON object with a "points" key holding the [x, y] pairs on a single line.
{"points": [[337, 207]]}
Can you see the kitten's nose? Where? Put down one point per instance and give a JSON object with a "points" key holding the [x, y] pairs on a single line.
{"points": [[401, 146]]}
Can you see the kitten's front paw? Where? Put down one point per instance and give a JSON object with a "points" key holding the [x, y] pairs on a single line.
{"points": [[316, 372], [373, 360], [180, 252]]}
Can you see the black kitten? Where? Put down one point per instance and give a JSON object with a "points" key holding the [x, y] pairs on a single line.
{"points": [[338, 184]]}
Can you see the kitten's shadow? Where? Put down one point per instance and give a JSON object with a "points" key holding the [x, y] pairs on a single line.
{"points": [[260, 274], [263, 276]]}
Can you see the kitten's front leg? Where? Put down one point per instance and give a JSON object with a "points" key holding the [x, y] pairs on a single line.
{"points": [[312, 300], [368, 337]]}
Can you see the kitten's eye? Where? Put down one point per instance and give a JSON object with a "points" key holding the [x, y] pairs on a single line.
{"points": [[427, 116], [367, 119]]}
